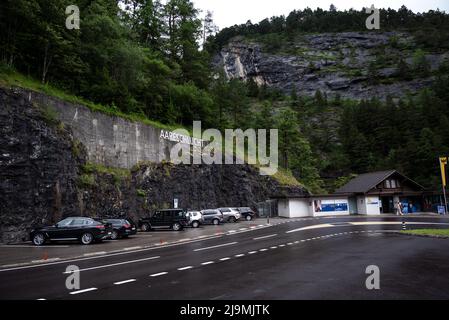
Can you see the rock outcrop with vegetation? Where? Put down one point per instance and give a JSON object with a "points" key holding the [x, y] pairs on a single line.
{"points": [[352, 65], [44, 177]]}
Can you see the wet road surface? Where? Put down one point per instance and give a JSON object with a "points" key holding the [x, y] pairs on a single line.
{"points": [[307, 259]]}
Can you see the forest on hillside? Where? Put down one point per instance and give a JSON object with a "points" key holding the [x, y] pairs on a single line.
{"points": [[146, 58], [431, 29]]}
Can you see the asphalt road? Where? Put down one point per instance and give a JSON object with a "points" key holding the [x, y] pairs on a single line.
{"points": [[306, 259]]}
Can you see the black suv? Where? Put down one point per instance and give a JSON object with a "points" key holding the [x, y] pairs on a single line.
{"points": [[174, 219]]}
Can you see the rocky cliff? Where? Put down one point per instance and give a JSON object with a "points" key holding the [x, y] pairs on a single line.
{"points": [[45, 175], [343, 64], [39, 165]]}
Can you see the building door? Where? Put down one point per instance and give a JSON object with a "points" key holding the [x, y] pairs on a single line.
{"points": [[352, 201], [387, 205]]}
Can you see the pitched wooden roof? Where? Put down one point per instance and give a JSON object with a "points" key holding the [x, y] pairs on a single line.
{"points": [[365, 182]]}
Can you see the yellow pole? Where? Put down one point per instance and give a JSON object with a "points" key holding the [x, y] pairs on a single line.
{"points": [[443, 164]]}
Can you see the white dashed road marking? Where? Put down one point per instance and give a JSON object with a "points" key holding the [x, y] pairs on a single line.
{"points": [[124, 282], [83, 291], [185, 268], [94, 254], [218, 246], [207, 263], [132, 248], [225, 259], [158, 274], [266, 237]]}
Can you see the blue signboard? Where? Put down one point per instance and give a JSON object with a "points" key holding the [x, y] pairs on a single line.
{"points": [[331, 206]]}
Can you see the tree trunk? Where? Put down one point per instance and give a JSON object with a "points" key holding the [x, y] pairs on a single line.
{"points": [[47, 63]]}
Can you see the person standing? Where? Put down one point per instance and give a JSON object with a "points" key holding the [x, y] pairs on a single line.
{"points": [[400, 209]]}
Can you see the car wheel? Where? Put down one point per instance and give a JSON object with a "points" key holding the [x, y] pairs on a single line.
{"points": [[216, 222], [114, 235], [87, 238], [145, 227], [195, 224], [38, 239], [232, 219], [176, 226], [249, 218]]}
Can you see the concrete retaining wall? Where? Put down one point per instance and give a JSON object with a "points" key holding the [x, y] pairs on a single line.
{"points": [[111, 141]]}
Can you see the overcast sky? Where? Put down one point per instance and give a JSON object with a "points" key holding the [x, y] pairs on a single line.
{"points": [[230, 12]]}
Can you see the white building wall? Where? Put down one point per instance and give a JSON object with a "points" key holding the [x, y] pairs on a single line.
{"points": [[283, 208], [299, 208], [368, 205], [372, 206]]}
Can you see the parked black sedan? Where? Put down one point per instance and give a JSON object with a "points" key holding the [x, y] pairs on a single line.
{"points": [[122, 228], [85, 230]]}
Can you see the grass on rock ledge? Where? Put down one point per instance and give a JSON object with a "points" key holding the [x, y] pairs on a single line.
{"points": [[11, 78], [428, 232]]}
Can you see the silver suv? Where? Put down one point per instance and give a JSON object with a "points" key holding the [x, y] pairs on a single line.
{"points": [[230, 215], [212, 216]]}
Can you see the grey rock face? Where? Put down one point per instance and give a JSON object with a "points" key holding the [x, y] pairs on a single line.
{"points": [[332, 63], [38, 168], [196, 187], [339, 84]]}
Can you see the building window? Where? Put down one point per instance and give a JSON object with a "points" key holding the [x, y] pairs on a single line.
{"points": [[392, 184]]}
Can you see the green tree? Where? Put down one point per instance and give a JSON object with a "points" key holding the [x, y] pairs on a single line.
{"points": [[295, 151], [420, 64], [145, 19]]}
